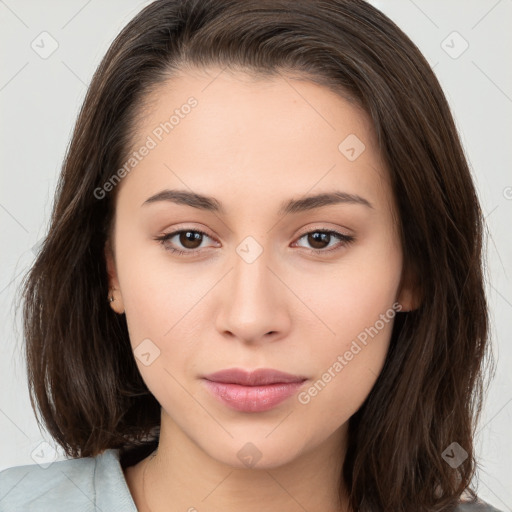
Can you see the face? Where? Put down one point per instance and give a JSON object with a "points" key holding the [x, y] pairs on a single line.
{"points": [[310, 290]]}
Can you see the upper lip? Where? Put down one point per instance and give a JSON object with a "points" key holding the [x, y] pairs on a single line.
{"points": [[258, 377]]}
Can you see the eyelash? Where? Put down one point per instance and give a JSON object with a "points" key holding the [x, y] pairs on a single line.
{"points": [[345, 240]]}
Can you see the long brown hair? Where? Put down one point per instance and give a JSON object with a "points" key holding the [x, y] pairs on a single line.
{"points": [[84, 382]]}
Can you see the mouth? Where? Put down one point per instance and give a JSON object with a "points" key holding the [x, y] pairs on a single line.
{"points": [[256, 391], [259, 377]]}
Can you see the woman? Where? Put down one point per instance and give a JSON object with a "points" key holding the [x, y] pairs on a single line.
{"points": [[262, 285]]}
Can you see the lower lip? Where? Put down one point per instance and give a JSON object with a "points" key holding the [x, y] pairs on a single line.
{"points": [[252, 398]]}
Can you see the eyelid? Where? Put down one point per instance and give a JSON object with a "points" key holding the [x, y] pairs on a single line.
{"points": [[325, 228], [180, 228]]}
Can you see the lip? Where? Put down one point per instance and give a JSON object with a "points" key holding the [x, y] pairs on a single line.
{"points": [[252, 391], [258, 377]]}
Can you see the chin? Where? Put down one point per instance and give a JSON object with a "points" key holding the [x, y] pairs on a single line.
{"points": [[256, 454]]}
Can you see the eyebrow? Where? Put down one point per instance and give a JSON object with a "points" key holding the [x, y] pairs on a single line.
{"points": [[208, 203]]}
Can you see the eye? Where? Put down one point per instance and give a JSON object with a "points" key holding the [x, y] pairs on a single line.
{"points": [[190, 239], [320, 239]]}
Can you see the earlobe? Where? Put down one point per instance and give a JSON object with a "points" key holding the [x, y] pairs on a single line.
{"points": [[409, 295], [408, 300], [114, 298]]}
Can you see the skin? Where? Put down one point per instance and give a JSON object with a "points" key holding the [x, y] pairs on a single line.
{"points": [[252, 144]]}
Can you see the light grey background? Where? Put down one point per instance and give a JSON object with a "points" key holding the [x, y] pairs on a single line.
{"points": [[39, 102]]}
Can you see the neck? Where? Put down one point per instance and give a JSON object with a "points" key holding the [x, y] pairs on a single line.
{"points": [[181, 476]]}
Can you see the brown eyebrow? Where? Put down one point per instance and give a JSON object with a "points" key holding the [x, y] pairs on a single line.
{"points": [[211, 204]]}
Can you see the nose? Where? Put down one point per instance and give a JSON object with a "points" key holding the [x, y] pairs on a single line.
{"points": [[254, 302]]}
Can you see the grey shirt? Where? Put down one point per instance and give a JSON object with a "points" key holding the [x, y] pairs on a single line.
{"points": [[86, 485]]}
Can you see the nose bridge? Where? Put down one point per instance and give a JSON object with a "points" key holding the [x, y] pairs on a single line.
{"points": [[254, 305], [251, 278]]}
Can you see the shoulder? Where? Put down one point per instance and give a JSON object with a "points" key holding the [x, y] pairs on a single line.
{"points": [[90, 483], [39, 488]]}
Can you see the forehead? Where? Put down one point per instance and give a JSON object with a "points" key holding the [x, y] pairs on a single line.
{"points": [[264, 135]]}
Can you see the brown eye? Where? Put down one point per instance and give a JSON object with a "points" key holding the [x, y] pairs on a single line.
{"points": [[188, 241], [319, 240]]}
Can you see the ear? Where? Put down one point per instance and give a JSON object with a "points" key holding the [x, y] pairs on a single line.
{"points": [[409, 293], [113, 282]]}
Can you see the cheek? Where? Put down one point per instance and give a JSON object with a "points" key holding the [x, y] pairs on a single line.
{"points": [[340, 389], [157, 291], [347, 365], [350, 296], [357, 309], [161, 303]]}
